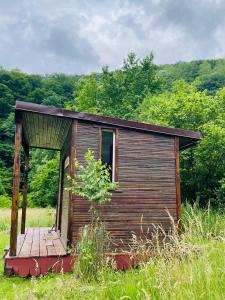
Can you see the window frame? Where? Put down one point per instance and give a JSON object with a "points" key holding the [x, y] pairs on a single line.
{"points": [[114, 164]]}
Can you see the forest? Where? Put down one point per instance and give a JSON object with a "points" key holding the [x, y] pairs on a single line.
{"points": [[189, 95]]}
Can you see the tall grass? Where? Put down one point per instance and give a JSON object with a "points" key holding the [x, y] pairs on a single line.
{"points": [[191, 267], [94, 243], [36, 217], [203, 224]]}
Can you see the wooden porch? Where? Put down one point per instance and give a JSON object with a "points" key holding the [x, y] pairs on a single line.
{"points": [[35, 251], [39, 250]]}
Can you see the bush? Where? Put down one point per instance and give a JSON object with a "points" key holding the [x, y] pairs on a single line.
{"points": [[5, 201]]}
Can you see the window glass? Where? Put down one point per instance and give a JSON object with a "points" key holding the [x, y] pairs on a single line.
{"points": [[107, 150]]}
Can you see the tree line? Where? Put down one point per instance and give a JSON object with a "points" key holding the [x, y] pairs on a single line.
{"points": [[184, 95]]}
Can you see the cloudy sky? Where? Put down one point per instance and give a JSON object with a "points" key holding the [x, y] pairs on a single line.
{"points": [[45, 36]]}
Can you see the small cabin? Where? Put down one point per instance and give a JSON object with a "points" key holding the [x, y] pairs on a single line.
{"points": [[144, 160]]}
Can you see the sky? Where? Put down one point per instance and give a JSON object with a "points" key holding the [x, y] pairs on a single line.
{"points": [[79, 37]]}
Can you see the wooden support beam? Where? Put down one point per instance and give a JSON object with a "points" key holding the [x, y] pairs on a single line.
{"points": [[72, 172], [16, 183], [25, 188], [60, 195], [177, 173], [58, 198], [116, 178]]}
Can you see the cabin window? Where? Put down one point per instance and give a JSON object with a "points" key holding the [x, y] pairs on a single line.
{"points": [[108, 151]]}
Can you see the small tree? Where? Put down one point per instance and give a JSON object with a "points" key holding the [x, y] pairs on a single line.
{"points": [[92, 181]]}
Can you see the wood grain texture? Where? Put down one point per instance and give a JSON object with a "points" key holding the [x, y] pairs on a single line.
{"points": [[60, 196], [87, 138], [25, 188], [64, 153], [37, 242], [64, 224], [57, 226], [147, 184], [72, 159], [16, 183], [116, 154], [48, 132], [177, 174]]}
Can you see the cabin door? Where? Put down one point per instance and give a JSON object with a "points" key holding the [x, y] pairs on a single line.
{"points": [[65, 205]]}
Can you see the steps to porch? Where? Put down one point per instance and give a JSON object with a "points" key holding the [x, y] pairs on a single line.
{"points": [[39, 251]]}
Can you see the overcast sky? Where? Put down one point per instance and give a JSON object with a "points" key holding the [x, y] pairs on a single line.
{"points": [[45, 36]]}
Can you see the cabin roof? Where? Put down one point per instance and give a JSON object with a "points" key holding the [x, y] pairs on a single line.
{"points": [[47, 127]]}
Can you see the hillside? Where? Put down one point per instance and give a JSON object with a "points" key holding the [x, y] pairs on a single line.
{"points": [[210, 73], [125, 93]]}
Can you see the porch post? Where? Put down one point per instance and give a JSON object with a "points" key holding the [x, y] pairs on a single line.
{"points": [[25, 187], [59, 200], [177, 174], [16, 182], [72, 172]]}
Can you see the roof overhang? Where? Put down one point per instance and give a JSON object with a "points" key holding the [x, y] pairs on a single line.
{"points": [[47, 127]]}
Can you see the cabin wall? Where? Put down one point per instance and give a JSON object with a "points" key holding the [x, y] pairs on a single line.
{"points": [[147, 184]]}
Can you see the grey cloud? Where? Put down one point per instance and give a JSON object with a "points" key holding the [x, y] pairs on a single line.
{"points": [[80, 36]]}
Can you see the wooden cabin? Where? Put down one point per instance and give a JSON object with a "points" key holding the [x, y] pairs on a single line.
{"points": [[144, 160]]}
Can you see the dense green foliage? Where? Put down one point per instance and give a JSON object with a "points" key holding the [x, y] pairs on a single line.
{"points": [[139, 90], [192, 269], [56, 90], [118, 93], [203, 168], [44, 173], [211, 74]]}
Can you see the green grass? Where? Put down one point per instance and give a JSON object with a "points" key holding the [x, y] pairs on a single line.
{"points": [[194, 269]]}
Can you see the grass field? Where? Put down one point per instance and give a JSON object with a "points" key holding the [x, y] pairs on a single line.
{"points": [[194, 269]]}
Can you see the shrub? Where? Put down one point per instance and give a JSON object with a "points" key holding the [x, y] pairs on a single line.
{"points": [[5, 201]]}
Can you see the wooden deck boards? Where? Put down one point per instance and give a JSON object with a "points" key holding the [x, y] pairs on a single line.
{"points": [[38, 242]]}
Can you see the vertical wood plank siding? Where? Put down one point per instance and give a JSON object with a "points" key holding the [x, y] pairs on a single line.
{"points": [[147, 184], [87, 138]]}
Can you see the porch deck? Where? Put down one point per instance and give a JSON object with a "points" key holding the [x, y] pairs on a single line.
{"points": [[39, 242], [39, 250]]}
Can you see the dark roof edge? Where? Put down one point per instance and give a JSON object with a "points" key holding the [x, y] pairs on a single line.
{"points": [[59, 112], [188, 145]]}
